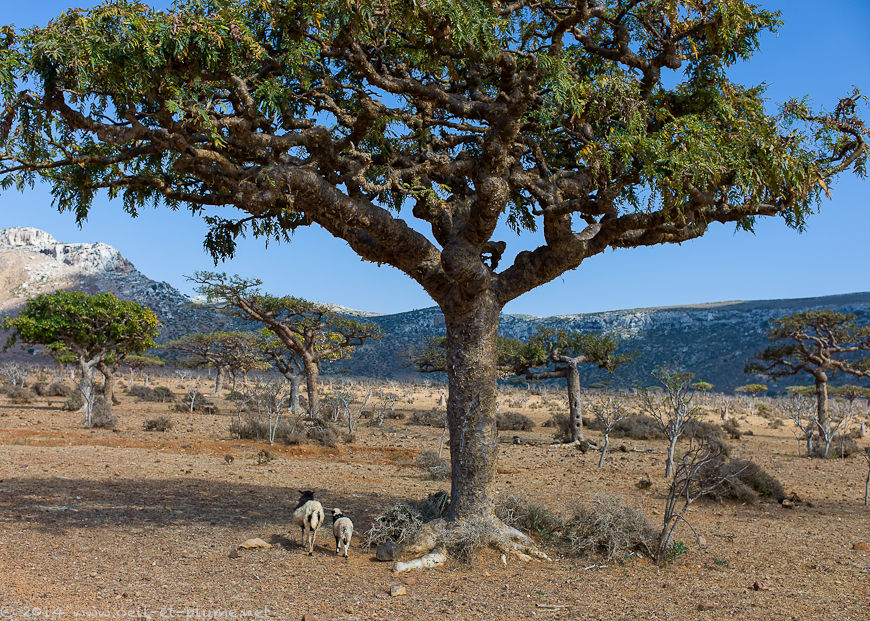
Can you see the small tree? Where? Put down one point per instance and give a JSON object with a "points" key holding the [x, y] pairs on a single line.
{"points": [[800, 409], [753, 390], [672, 408], [558, 354], [93, 328], [820, 343], [867, 479], [13, 372], [284, 360], [608, 412], [312, 331]]}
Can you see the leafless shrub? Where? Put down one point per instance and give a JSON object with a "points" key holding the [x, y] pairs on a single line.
{"points": [[430, 418], [608, 413], [741, 480], [74, 403], [20, 395], [635, 427], [161, 423], [401, 523], [469, 536], [673, 409], [158, 394], [527, 515], [436, 467], [14, 373], [101, 415], [514, 421], [607, 527]]}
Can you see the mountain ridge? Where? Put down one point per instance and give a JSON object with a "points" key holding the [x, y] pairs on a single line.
{"points": [[713, 340]]}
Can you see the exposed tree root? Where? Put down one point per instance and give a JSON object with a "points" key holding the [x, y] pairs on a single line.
{"points": [[461, 538]]}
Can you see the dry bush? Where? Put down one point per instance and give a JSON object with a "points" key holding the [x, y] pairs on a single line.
{"points": [[732, 428], [742, 480], [201, 405], [101, 415], [471, 535], [840, 447], [161, 423], [514, 421], [429, 418], [528, 516], [326, 435], [635, 427], [775, 423], [437, 468], [55, 389], [401, 523], [74, 403], [158, 394], [20, 395], [609, 528]]}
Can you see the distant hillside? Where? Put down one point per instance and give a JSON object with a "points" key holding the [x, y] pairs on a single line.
{"points": [[33, 262], [712, 340]]}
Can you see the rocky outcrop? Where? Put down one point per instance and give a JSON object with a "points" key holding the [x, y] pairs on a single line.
{"points": [[33, 262]]}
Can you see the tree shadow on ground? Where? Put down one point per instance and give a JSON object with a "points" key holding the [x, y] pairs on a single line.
{"points": [[57, 505]]}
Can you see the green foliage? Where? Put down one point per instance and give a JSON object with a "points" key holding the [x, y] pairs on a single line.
{"points": [[224, 350], [88, 326], [752, 389], [675, 551], [559, 347]]}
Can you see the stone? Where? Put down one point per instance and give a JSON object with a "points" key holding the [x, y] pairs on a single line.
{"points": [[760, 585], [388, 551], [702, 541], [398, 589], [861, 545], [706, 605], [787, 504], [255, 543]]}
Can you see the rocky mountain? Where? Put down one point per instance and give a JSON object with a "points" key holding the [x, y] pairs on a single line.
{"points": [[714, 341], [33, 262]]}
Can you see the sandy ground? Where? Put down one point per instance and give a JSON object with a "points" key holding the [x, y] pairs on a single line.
{"points": [[135, 524]]}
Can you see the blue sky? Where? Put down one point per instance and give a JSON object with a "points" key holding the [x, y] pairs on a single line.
{"points": [[821, 51]]}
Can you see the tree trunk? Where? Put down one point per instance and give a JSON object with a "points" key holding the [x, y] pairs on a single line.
{"points": [[471, 403], [822, 400], [311, 385], [218, 381], [669, 464], [86, 387], [575, 408], [108, 383], [295, 380], [604, 450], [132, 378]]}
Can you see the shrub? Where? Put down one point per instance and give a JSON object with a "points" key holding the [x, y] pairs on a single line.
{"points": [[429, 418], [436, 467], [20, 395], [635, 427], [607, 527], [201, 405], [514, 421], [528, 516], [401, 523], [326, 435], [57, 389], [744, 481], [101, 415], [731, 427], [161, 423], [562, 423], [40, 389], [158, 394], [74, 403], [840, 447]]}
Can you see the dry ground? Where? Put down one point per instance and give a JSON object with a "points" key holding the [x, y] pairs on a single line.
{"points": [[135, 524]]}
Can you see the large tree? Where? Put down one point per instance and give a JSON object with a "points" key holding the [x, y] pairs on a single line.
{"points": [[820, 343], [601, 123], [226, 351], [312, 331], [94, 330]]}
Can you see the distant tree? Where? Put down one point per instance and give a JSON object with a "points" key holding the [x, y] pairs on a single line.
{"points": [[283, 360], [430, 355], [820, 343], [550, 354], [753, 390], [137, 363], [221, 350], [313, 332], [672, 405], [96, 329]]}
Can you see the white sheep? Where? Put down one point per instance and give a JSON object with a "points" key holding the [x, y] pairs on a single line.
{"points": [[308, 516], [342, 528]]}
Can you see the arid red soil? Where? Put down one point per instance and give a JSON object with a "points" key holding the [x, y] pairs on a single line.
{"points": [[136, 524]]}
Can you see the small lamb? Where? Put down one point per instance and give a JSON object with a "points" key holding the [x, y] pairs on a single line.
{"points": [[342, 528], [308, 516]]}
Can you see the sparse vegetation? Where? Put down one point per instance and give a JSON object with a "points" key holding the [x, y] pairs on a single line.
{"points": [[403, 521], [607, 527], [161, 423], [437, 468], [514, 421], [158, 394]]}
